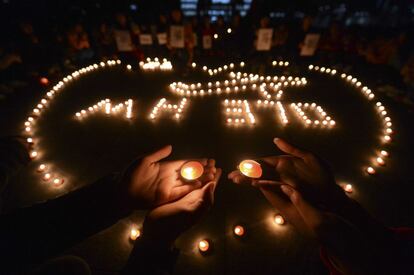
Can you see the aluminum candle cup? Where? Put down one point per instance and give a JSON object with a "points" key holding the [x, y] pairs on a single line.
{"points": [[251, 169], [192, 170]]}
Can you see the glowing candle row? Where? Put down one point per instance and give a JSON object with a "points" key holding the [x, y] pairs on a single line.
{"points": [[240, 114], [322, 69], [230, 86], [163, 105], [220, 69], [280, 63], [379, 159], [156, 64], [105, 106], [47, 174], [324, 119]]}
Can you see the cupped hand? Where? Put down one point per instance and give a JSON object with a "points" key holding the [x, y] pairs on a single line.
{"points": [[166, 222], [150, 182]]}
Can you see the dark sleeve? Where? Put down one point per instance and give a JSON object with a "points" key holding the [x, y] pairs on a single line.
{"points": [[150, 258], [404, 238], [30, 235]]}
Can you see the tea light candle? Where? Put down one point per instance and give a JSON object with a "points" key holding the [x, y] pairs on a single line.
{"points": [[250, 168], [192, 170], [203, 245], [33, 154], [279, 219], [238, 230], [57, 182], [41, 168], [348, 188], [134, 234], [44, 81], [47, 176], [370, 170], [380, 161]]}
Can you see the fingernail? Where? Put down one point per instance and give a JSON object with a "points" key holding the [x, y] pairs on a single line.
{"points": [[275, 139], [286, 189]]}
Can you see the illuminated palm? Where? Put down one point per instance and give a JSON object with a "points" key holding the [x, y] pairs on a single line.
{"points": [[152, 182], [180, 215]]}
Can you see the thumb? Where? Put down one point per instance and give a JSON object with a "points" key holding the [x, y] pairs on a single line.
{"points": [[311, 215], [208, 194], [159, 154]]}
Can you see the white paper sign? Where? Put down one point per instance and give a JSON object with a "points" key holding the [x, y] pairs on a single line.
{"points": [[310, 44], [264, 39], [123, 41], [162, 38], [145, 39], [177, 36], [207, 42]]}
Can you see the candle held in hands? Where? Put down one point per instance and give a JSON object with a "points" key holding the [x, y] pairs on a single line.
{"points": [[251, 169], [192, 170]]}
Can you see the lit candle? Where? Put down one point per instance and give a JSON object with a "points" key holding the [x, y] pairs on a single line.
{"points": [[41, 168], [203, 245], [279, 219], [380, 161], [57, 182], [33, 154], [44, 81], [47, 176], [192, 170], [348, 188], [250, 168], [370, 170], [238, 230], [134, 234]]}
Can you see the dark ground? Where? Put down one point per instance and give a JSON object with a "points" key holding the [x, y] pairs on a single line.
{"points": [[88, 149]]}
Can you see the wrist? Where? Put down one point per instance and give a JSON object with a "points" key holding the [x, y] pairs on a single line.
{"points": [[123, 200]]}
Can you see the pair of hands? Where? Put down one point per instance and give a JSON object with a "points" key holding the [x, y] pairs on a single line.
{"points": [[175, 204], [303, 190]]}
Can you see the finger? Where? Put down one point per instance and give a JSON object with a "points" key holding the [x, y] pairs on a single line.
{"points": [[159, 155], [211, 163], [279, 201], [217, 177], [206, 177], [261, 183], [182, 190], [311, 215], [210, 170], [241, 179], [290, 149], [272, 160], [232, 174]]}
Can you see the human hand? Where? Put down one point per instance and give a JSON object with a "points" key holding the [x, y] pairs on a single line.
{"points": [[299, 169], [349, 247], [166, 222], [150, 182]]}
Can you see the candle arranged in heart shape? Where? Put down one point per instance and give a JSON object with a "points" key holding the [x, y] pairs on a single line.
{"points": [[251, 168], [192, 170]]}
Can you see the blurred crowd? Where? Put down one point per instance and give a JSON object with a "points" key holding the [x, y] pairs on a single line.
{"points": [[33, 52]]}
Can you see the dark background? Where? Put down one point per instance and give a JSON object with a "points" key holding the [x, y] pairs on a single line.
{"points": [[86, 150]]}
